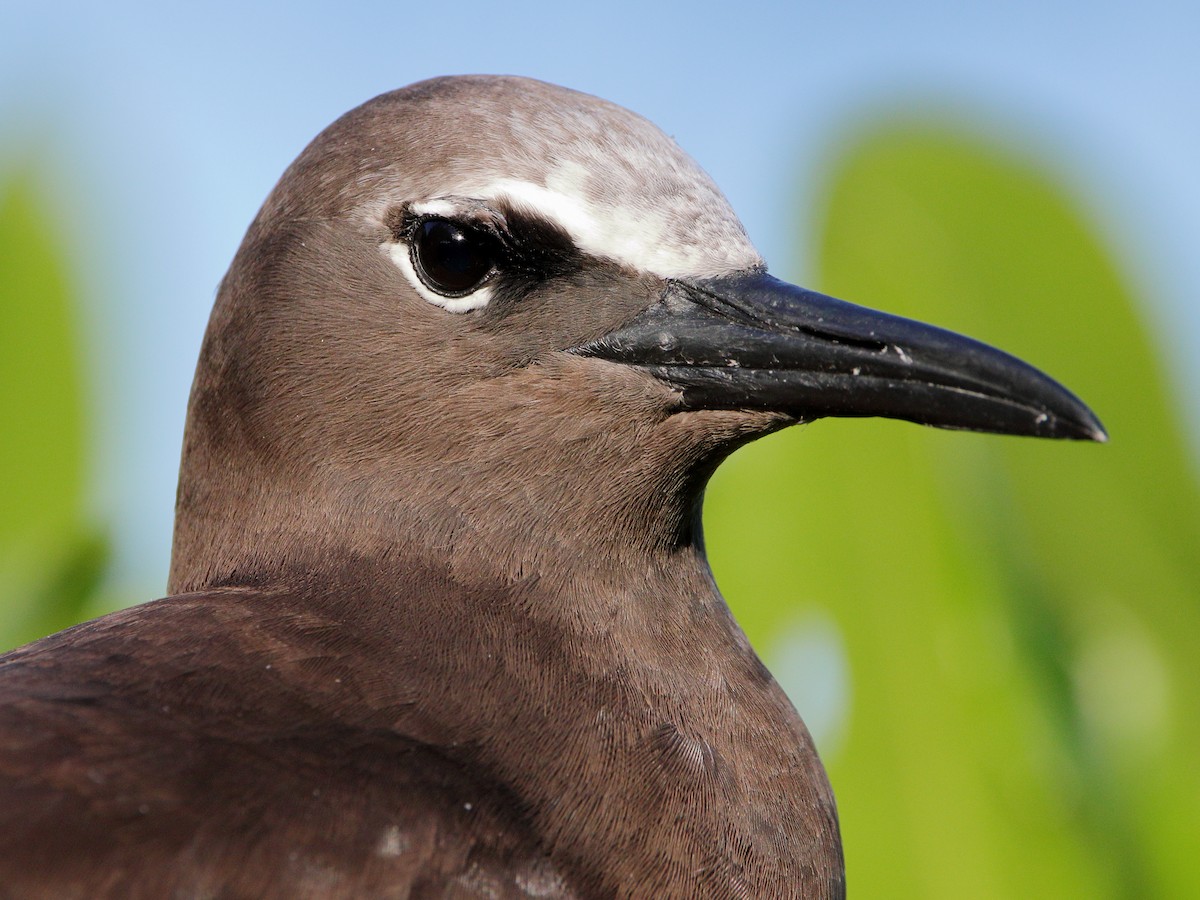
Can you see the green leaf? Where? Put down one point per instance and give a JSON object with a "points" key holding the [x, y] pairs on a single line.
{"points": [[49, 556], [1019, 617], [63, 591]]}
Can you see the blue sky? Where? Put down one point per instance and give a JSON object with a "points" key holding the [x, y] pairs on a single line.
{"points": [[159, 128]]}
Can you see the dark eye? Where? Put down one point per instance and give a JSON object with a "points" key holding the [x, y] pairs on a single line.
{"points": [[451, 259]]}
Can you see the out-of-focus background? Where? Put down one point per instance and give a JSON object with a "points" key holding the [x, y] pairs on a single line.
{"points": [[994, 640]]}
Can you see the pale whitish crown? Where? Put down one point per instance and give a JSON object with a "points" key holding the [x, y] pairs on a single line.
{"points": [[654, 211]]}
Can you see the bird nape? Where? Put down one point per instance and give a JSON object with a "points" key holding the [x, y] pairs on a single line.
{"points": [[440, 621]]}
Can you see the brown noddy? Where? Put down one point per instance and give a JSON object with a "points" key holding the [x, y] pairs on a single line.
{"points": [[440, 622]]}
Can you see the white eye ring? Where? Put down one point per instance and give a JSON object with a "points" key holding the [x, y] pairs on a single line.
{"points": [[401, 254]]}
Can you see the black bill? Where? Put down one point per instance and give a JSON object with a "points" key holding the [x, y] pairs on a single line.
{"points": [[751, 341]]}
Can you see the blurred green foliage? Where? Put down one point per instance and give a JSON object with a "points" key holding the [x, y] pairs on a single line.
{"points": [[1020, 618], [51, 557]]}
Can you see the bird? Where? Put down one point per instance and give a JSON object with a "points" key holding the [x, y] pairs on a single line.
{"points": [[439, 620]]}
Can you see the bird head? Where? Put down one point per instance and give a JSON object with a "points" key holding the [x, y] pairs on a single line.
{"points": [[480, 305]]}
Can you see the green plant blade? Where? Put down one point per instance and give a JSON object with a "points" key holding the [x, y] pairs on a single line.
{"points": [[50, 558], [1020, 617]]}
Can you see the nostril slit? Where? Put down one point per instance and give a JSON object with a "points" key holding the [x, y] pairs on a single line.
{"points": [[833, 337]]}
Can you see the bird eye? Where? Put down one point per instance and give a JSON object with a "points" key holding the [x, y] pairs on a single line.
{"points": [[451, 259]]}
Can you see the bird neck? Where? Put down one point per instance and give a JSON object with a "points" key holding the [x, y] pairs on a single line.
{"points": [[573, 621], [666, 755], [507, 499]]}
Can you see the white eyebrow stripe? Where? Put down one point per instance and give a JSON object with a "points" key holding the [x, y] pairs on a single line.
{"points": [[644, 239], [435, 207]]}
